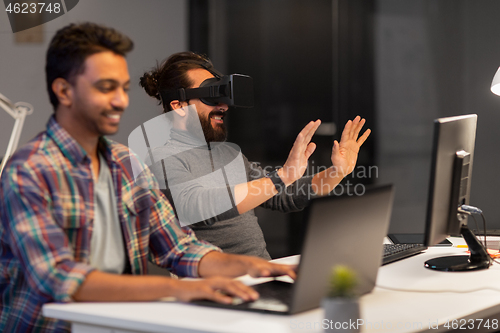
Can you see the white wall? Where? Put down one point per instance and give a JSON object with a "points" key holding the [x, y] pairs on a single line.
{"points": [[157, 27]]}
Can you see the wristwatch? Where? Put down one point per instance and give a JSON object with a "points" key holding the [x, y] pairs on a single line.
{"points": [[278, 183]]}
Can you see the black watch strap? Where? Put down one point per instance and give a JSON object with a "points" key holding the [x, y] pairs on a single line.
{"points": [[278, 183]]}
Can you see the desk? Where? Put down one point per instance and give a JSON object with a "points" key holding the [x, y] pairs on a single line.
{"points": [[468, 295]]}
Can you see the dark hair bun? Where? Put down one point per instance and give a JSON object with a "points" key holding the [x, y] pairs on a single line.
{"points": [[171, 74], [149, 82]]}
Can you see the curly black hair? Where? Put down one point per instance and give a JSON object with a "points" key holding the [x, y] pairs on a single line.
{"points": [[72, 44]]}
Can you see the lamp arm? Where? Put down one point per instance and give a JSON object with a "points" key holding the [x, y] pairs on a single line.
{"points": [[18, 111]]}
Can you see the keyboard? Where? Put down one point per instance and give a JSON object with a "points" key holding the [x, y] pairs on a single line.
{"points": [[275, 290], [394, 252]]}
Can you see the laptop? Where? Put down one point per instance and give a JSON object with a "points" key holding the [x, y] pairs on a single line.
{"points": [[345, 230]]}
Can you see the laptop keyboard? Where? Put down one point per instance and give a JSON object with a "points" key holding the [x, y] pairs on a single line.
{"points": [[393, 252], [276, 290]]}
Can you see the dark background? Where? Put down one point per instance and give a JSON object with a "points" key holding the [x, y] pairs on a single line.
{"points": [[309, 60], [398, 64]]}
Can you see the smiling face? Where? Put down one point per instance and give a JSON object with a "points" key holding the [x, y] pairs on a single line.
{"points": [[97, 97], [211, 117]]}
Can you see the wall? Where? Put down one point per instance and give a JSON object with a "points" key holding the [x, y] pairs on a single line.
{"points": [[435, 58], [482, 59], [157, 27]]}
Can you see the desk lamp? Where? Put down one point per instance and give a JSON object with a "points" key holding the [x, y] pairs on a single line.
{"points": [[495, 84], [18, 111]]}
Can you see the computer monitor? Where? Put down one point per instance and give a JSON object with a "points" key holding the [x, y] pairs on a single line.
{"points": [[449, 189]]}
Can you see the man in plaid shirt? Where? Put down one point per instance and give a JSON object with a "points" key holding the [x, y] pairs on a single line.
{"points": [[75, 224]]}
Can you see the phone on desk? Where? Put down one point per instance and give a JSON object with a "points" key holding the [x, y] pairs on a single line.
{"points": [[413, 239]]}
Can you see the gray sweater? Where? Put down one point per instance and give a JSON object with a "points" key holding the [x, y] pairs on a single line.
{"points": [[199, 181]]}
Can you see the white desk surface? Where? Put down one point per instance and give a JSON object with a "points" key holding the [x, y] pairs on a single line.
{"points": [[429, 297]]}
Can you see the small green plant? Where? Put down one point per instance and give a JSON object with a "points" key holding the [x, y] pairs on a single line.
{"points": [[342, 282]]}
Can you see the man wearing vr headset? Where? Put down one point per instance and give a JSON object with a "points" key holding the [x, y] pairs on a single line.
{"points": [[211, 185]]}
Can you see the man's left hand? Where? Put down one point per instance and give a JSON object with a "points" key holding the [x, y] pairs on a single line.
{"points": [[345, 153], [233, 265], [261, 268]]}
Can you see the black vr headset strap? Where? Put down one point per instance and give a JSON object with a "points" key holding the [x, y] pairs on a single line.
{"points": [[205, 64], [208, 66], [190, 93]]}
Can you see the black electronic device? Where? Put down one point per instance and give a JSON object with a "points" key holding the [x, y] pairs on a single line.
{"points": [[406, 245], [395, 252], [234, 90], [414, 239], [332, 238], [451, 170]]}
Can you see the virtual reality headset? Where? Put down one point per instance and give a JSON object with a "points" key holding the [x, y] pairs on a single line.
{"points": [[234, 90]]}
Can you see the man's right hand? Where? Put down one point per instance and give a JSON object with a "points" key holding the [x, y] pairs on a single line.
{"points": [[217, 289], [250, 195], [296, 163], [105, 287]]}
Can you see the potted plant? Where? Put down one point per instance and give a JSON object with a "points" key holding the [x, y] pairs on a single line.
{"points": [[341, 303]]}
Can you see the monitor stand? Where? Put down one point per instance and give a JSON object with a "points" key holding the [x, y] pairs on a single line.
{"points": [[478, 258]]}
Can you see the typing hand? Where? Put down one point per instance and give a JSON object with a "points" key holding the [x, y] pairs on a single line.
{"points": [[261, 268], [217, 289], [232, 265]]}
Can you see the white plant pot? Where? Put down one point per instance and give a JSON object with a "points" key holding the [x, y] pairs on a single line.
{"points": [[341, 315]]}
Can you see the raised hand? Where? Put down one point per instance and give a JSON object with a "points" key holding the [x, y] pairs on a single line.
{"points": [[296, 163], [345, 153]]}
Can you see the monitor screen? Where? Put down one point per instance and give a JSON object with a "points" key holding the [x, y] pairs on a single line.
{"points": [[449, 189]]}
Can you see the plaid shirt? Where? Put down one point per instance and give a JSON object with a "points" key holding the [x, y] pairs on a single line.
{"points": [[47, 211]]}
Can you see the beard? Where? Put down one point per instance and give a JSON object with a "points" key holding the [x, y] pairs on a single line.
{"points": [[213, 134]]}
